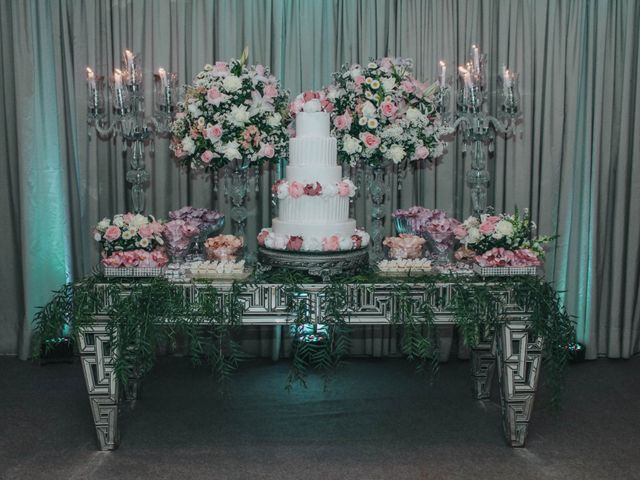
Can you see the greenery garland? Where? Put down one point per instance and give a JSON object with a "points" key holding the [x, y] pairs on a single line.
{"points": [[138, 310]]}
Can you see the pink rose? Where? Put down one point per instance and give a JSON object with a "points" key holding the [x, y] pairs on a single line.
{"points": [[206, 156], [146, 231], [487, 227], [294, 243], [388, 108], [221, 67], [296, 106], [159, 257], [270, 91], [460, 232], [276, 186], [326, 106], [344, 189], [331, 244], [309, 95], [262, 236], [408, 86], [496, 257], [114, 260], [343, 122], [370, 140], [112, 233], [296, 189], [213, 132], [421, 152], [266, 150], [526, 258], [357, 241], [359, 80], [215, 96], [313, 189], [130, 259]]}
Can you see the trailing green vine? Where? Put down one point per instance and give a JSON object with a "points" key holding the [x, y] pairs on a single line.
{"points": [[139, 310]]}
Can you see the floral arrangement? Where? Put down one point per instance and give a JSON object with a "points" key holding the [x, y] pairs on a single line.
{"points": [[501, 240], [319, 101], [187, 223], [404, 246], [333, 243], [382, 114], [232, 111], [223, 247], [131, 240], [283, 189]]}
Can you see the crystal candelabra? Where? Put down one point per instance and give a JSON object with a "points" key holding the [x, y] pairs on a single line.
{"points": [[477, 127], [129, 120]]}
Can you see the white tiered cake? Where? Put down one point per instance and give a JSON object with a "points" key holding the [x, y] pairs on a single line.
{"points": [[314, 198]]}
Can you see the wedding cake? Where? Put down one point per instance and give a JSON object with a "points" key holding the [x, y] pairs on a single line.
{"points": [[313, 198]]}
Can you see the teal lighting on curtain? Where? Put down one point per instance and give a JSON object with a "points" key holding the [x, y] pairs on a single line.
{"points": [[43, 194]]}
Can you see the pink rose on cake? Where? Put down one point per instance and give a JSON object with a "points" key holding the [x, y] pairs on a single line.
{"points": [[296, 189], [313, 189], [262, 236], [331, 244], [346, 188], [357, 241], [294, 243]]}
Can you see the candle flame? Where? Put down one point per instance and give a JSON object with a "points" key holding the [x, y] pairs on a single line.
{"points": [[162, 72], [463, 71], [442, 64], [128, 54], [89, 73]]}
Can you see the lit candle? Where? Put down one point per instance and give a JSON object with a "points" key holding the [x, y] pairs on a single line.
{"points": [[91, 78], [117, 79], [466, 76], [163, 76], [507, 79], [117, 83], [476, 57], [443, 74], [131, 66]]}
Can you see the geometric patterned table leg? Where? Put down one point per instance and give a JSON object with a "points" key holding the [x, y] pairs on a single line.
{"points": [[519, 362], [97, 364], [483, 364]]}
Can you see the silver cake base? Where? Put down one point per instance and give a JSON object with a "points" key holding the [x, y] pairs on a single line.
{"points": [[322, 264]]}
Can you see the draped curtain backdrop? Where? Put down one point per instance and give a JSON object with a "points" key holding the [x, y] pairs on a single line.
{"points": [[572, 164]]}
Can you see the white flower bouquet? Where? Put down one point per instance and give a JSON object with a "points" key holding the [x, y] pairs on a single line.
{"points": [[232, 111], [381, 114]]}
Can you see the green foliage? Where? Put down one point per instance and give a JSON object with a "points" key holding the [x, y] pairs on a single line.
{"points": [[142, 312]]}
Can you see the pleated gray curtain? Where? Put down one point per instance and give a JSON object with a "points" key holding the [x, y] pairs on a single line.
{"points": [[572, 162]]}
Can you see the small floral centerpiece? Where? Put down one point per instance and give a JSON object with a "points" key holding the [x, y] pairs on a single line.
{"points": [[232, 111], [404, 246], [381, 114], [131, 240], [435, 225], [223, 247], [501, 240], [186, 225]]}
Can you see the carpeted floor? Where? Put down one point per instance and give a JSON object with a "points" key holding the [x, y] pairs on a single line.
{"points": [[377, 420]]}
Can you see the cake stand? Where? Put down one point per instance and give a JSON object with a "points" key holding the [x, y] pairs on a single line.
{"points": [[322, 264]]}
